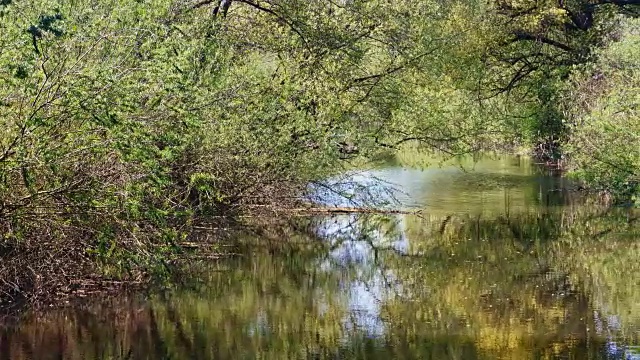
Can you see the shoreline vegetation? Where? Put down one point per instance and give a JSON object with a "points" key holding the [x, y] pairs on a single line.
{"points": [[125, 125]]}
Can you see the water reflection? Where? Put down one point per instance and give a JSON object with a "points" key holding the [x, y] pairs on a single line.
{"points": [[456, 187], [473, 276], [354, 247]]}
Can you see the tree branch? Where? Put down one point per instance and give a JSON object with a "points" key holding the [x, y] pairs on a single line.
{"points": [[279, 17], [393, 69], [522, 36]]}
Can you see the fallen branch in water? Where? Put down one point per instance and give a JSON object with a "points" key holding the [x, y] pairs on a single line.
{"points": [[348, 210]]}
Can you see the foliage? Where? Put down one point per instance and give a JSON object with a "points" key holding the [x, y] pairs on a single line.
{"points": [[519, 57], [605, 120], [97, 149]]}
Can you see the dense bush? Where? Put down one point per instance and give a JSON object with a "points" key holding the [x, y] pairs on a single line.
{"points": [[604, 118], [101, 135]]}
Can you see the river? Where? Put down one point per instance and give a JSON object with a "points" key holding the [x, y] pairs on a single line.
{"points": [[497, 261]]}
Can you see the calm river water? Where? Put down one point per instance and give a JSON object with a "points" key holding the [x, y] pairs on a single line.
{"points": [[501, 262]]}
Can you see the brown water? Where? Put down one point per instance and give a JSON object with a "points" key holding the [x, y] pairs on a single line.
{"points": [[501, 263]]}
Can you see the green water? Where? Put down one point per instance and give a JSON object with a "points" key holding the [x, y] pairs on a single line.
{"points": [[501, 263]]}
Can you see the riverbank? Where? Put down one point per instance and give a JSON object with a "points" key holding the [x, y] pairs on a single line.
{"points": [[54, 271]]}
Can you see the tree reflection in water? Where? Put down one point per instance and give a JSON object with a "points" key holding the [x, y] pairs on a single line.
{"points": [[510, 277]]}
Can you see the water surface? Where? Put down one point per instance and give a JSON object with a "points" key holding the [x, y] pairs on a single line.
{"points": [[502, 262]]}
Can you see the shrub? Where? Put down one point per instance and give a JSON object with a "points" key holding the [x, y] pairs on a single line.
{"points": [[604, 146]]}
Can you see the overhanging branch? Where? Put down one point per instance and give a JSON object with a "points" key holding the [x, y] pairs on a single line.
{"points": [[522, 36], [269, 11]]}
